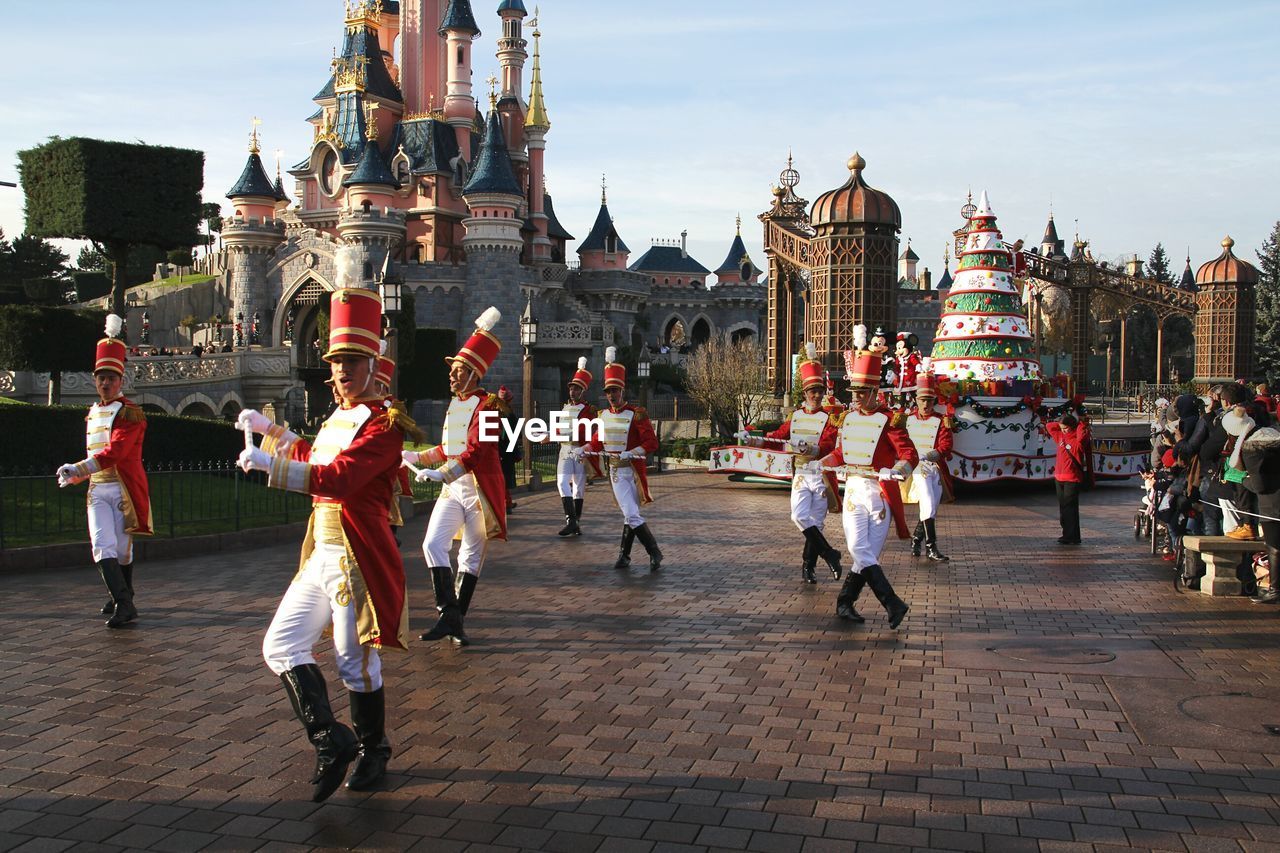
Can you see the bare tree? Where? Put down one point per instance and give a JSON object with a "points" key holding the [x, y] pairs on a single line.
{"points": [[730, 382]]}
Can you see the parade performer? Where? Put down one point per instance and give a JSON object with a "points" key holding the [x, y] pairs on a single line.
{"points": [[473, 503], [886, 363], [830, 402], [382, 379], [906, 359], [876, 453], [931, 433], [119, 502], [627, 440], [811, 432], [571, 472], [350, 578]]}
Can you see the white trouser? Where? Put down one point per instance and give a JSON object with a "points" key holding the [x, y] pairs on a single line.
{"points": [[808, 499], [866, 521], [309, 606], [457, 508], [926, 485], [107, 534], [626, 491], [571, 476]]}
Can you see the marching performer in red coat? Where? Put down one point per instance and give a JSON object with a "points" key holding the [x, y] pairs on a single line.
{"points": [[931, 433], [628, 439], [810, 432], [876, 453], [350, 577], [473, 503], [119, 497], [571, 471], [383, 376]]}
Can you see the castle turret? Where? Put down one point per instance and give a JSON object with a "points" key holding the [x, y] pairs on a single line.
{"points": [[536, 125], [371, 183], [1050, 245], [422, 55], [459, 30], [907, 262], [603, 249], [254, 196], [249, 237], [737, 267]]}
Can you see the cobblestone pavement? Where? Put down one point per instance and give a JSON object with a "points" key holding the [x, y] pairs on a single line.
{"points": [[1036, 698]]}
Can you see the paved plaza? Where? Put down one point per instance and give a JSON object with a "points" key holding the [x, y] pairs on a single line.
{"points": [[1036, 698]]}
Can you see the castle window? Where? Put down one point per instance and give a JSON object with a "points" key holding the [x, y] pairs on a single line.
{"points": [[461, 57], [611, 244]]}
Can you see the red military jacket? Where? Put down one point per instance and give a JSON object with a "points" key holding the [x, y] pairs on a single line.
{"points": [[123, 424], [893, 448], [362, 443], [1075, 452], [466, 454], [628, 428], [942, 440], [826, 441]]}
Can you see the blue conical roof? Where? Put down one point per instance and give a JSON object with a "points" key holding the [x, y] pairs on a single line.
{"points": [[595, 241], [493, 172], [458, 17], [253, 180], [372, 168], [512, 6], [734, 260]]}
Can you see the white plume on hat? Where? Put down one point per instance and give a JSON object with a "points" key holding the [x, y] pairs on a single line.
{"points": [[926, 364], [488, 319], [346, 261], [115, 325], [582, 363], [610, 355], [859, 336], [382, 347], [810, 351]]}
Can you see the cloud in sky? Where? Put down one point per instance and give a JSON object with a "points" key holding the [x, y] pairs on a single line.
{"points": [[1145, 122]]}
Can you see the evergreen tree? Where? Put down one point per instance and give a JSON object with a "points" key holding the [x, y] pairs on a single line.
{"points": [[91, 260], [1267, 342], [1158, 265]]}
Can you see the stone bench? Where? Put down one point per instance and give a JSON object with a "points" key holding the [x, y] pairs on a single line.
{"points": [[1221, 556]]}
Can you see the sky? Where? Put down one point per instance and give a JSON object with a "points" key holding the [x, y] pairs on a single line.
{"points": [[1143, 122]]}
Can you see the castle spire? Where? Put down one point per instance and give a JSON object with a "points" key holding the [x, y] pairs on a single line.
{"points": [[537, 116]]}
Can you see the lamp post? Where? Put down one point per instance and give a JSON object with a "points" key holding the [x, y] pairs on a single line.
{"points": [[528, 340], [642, 370], [389, 288]]}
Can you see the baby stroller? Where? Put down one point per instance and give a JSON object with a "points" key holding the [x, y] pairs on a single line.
{"points": [[1145, 524]]}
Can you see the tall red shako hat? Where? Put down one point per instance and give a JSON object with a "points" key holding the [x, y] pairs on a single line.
{"points": [[811, 373], [385, 370], [615, 375], [111, 350], [355, 323], [862, 365], [582, 377], [926, 382], [482, 348]]}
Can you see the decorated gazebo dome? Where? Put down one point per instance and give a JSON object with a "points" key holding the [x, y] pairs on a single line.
{"points": [[856, 202], [1227, 268]]}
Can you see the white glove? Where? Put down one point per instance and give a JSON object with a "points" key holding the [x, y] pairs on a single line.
{"points": [[434, 475], [932, 456], [631, 454], [409, 457], [575, 453], [254, 420], [66, 475], [742, 435], [888, 474], [254, 459]]}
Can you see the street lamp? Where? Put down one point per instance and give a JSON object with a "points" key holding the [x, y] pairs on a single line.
{"points": [[390, 293], [528, 340], [642, 370]]}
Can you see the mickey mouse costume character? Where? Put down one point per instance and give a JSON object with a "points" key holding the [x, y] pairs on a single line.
{"points": [[119, 499], [906, 360], [876, 452], [879, 345]]}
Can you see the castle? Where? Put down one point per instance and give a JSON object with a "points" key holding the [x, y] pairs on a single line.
{"points": [[408, 184]]}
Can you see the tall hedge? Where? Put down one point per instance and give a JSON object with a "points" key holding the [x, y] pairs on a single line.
{"points": [[44, 437], [48, 339], [116, 194]]}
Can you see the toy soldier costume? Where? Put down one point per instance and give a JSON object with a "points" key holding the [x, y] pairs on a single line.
{"points": [[628, 439], [811, 432], [571, 469], [383, 377], [876, 453], [350, 578], [473, 503], [930, 483], [119, 500]]}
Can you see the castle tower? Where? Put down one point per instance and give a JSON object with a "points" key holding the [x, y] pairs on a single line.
{"points": [[511, 57], [603, 249], [536, 125], [737, 267], [852, 255], [1188, 279], [1226, 305], [369, 222], [907, 262], [250, 236], [459, 30], [493, 244], [1050, 245], [422, 55]]}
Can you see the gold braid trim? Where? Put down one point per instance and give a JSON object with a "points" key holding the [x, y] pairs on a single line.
{"points": [[898, 419], [400, 418], [132, 414]]}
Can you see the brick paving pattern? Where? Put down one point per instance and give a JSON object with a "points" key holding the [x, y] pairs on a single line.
{"points": [[716, 705]]}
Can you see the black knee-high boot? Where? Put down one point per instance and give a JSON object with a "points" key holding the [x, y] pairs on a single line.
{"points": [[849, 592], [450, 622], [466, 589], [570, 519], [577, 512], [624, 552], [336, 746], [369, 718], [917, 539], [124, 612], [645, 535], [829, 555], [895, 607], [110, 606], [931, 542], [810, 556]]}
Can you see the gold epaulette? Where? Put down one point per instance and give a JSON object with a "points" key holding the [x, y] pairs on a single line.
{"points": [[399, 417], [949, 422], [837, 418], [133, 414], [640, 411], [492, 401], [898, 419]]}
